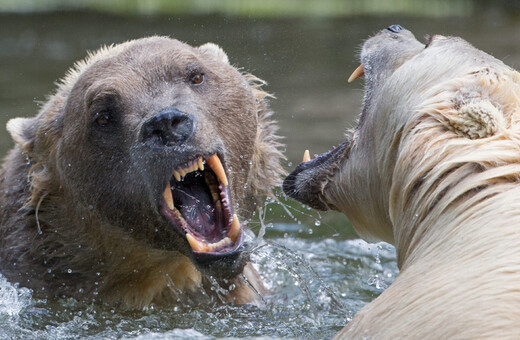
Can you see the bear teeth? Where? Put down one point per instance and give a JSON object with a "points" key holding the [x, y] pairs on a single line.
{"points": [[194, 165], [235, 229], [204, 247], [216, 165], [306, 156], [358, 72], [168, 198]]}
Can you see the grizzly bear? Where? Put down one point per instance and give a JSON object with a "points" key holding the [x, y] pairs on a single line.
{"points": [[433, 167], [132, 184]]}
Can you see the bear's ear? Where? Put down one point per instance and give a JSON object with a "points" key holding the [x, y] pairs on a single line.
{"points": [[22, 132], [477, 119], [213, 51]]}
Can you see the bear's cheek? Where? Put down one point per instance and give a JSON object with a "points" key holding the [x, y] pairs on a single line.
{"points": [[240, 145], [101, 175]]}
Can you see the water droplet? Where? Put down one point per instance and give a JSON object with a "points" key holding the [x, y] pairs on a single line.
{"points": [[317, 223], [69, 271]]}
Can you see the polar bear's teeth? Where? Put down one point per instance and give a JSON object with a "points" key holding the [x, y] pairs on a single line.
{"points": [[358, 72], [306, 156], [216, 165], [204, 247], [235, 229], [168, 198], [177, 175]]}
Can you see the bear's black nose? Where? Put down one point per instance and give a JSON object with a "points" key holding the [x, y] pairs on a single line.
{"points": [[395, 28], [167, 128]]}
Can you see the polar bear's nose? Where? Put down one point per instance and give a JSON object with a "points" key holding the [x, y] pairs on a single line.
{"points": [[169, 127], [395, 28]]}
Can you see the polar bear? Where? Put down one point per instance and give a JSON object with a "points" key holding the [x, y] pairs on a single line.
{"points": [[432, 167]]}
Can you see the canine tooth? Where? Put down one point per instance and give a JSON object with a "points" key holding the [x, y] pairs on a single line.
{"points": [[168, 196], [216, 165], [201, 164], [177, 175], [235, 229], [306, 156], [358, 72], [197, 245]]}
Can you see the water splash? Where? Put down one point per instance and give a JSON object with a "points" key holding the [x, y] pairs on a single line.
{"points": [[317, 284], [12, 299]]}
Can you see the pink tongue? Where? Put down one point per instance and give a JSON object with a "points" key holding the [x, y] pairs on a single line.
{"points": [[196, 205]]}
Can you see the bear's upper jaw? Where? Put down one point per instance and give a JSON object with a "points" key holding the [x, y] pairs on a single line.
{"points": [[382, 55], [197, 202]]}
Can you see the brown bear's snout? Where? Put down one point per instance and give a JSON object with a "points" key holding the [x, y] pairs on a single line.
{"points": [[168, 128]]}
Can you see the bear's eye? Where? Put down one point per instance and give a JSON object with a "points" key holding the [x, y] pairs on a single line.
{"points": [[103, 118], [197, 78]]}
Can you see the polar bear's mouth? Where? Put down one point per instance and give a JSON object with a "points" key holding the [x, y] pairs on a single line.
{"points": [[197, 202]]}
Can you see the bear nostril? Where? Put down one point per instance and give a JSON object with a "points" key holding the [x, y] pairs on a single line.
{"points": [[168, 127], [395, 28]]}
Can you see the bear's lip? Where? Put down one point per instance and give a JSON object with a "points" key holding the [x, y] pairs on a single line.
{"points": [[197, 203], [308, 181]]}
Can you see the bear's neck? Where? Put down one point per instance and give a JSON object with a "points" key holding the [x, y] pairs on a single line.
{"points": [[459, 224]]}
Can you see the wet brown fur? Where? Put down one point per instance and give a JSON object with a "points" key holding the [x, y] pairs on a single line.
{"points": [[55, 236]]}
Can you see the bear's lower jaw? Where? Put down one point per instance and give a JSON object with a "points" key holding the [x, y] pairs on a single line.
{"points": [[308, 182], [197, 202]]}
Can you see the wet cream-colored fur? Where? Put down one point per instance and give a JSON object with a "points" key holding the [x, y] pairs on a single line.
{"points": [[435, 170]]}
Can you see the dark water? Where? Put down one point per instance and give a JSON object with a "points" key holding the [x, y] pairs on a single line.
{"points": [[320, 273]]}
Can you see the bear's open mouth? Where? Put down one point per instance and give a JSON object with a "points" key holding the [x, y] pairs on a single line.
{"points": [[197, 201]]}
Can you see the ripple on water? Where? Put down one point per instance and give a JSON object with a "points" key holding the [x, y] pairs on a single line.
{"points": [[317, 287]]}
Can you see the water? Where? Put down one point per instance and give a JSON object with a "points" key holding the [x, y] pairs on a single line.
{"points": [[316, 286], [319, 272]]}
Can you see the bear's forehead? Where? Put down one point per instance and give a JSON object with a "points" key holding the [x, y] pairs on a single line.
{"points": [[144, 64], [150, 55]]}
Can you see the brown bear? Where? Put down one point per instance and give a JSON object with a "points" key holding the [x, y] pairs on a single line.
{"points": [[132, 184], [433, 167]]}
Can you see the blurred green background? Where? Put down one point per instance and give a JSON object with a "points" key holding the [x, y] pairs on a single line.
{"points": [[304, 49], [254, 8]]}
